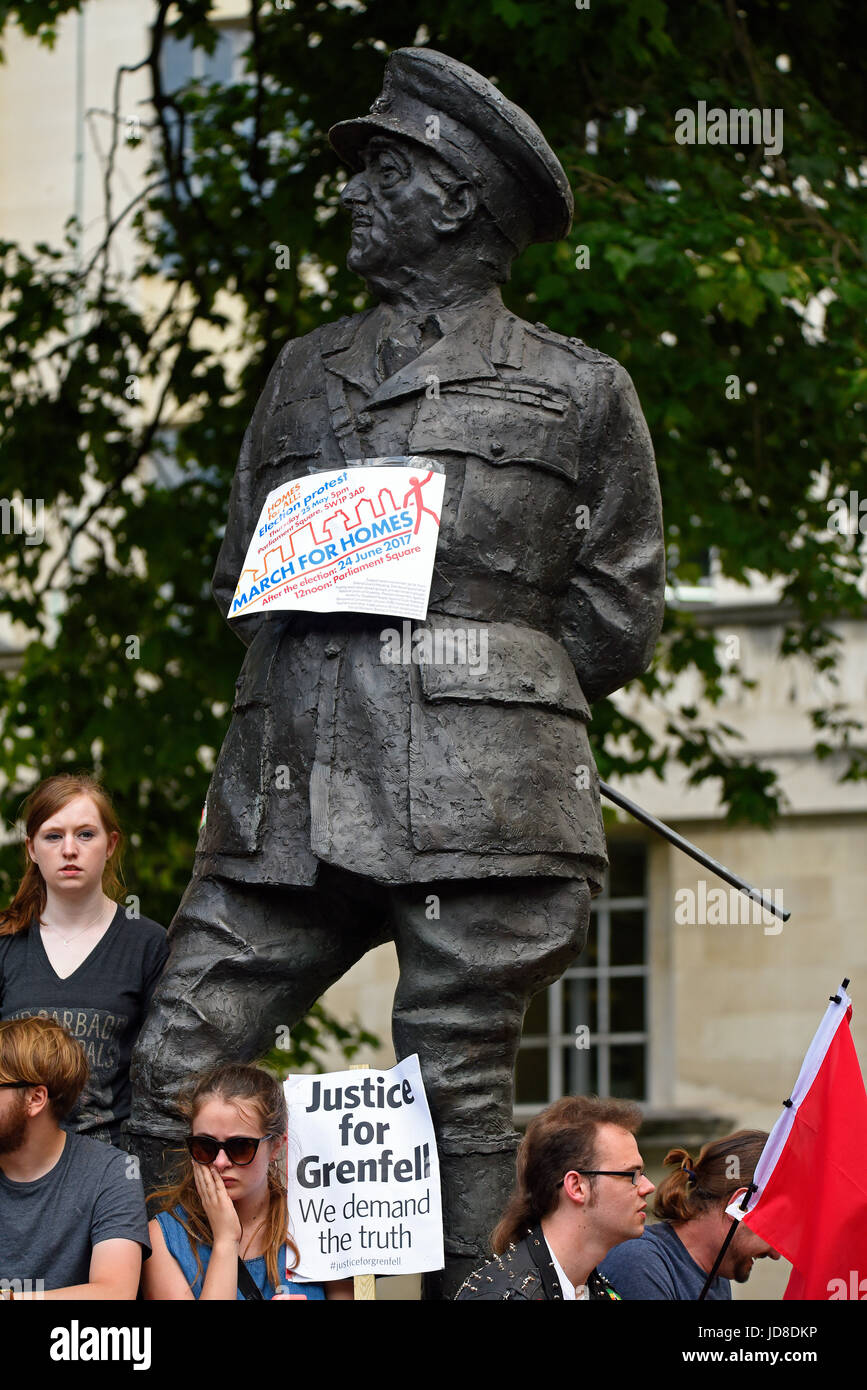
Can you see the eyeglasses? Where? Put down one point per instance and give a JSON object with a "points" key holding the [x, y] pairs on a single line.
{"points": [[633, 1174], [240, 1150], [18, 1085]]}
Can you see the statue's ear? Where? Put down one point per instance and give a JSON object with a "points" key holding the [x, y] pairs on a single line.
{"points": [[458, 205]]}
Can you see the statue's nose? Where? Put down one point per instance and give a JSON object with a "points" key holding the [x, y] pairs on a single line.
{"points": [[355, 191]]}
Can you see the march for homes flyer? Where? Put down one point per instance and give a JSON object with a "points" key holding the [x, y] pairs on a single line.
{"points": [[362, 539]]}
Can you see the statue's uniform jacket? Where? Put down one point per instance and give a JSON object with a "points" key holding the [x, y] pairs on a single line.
{"points": [[551, 540]]}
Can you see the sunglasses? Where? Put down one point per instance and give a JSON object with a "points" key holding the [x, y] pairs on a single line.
{"points": [[239, 1150], [18, 1085]]}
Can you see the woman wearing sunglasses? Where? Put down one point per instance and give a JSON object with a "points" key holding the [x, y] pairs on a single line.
{"points": [[221, 1231]]}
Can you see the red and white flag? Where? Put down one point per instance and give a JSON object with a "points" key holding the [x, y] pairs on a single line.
{"points": [[811, 1202]]}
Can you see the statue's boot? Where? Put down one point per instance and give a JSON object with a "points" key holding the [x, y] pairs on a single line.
{"points": [[158, 1158], [477, 1176]]}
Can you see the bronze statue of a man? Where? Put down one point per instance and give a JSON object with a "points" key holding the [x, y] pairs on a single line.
{"points": [[358, 799]]}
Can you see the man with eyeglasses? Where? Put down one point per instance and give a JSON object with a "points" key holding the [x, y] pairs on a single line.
{"points": [[581, 1189], [72, 1212]]}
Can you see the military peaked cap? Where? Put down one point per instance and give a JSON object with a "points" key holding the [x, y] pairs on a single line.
{"points": [[480, 134]]}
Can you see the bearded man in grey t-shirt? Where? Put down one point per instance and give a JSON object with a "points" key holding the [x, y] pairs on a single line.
{"points": [[72, 1212]]}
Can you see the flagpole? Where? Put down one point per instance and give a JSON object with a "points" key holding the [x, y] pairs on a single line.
{"points": [[725, 1245], [692, 850]]}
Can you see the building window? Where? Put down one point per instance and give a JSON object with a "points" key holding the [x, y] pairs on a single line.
{"points": [[604, 993], [183, 64]]}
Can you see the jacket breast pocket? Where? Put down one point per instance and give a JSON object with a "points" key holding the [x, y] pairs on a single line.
{"points": [[499, 756], [238, 794], [506, 425], [294, 432]]}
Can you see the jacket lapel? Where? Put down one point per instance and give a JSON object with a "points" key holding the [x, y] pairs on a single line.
{"points": [[347, 356], [350, 351], [457, 356], [486, 336], [466, 353]]}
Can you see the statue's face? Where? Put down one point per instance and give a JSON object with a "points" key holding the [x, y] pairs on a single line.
{"points": [[393, 201]]}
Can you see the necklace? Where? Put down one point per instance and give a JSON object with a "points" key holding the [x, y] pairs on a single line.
{"points": [[76, 934], [249, 1241]]}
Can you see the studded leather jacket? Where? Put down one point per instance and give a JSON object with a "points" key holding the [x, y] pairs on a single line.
{"points": [[526, 1271]]}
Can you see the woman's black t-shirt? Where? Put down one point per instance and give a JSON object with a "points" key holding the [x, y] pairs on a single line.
{"points": [[103, 1004]]}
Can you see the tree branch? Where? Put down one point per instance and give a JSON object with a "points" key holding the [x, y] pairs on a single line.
{"points": [[111, 488]]}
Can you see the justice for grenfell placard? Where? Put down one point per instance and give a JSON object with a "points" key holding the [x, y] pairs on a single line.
{"points": [[362, 540], [364, 1183]]}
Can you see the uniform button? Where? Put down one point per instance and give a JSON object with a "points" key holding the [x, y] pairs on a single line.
{"points": [[496, 448], [332, 648], [365, 421]]}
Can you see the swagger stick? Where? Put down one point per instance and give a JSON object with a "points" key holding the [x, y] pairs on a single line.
{"points": [[692, 850]]}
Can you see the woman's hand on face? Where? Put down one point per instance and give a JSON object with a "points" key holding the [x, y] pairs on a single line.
{"points": [[218, 1205]]}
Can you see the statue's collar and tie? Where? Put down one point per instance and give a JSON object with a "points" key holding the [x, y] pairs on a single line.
{"points": [[402, 339], [374, 351], [404, 336]]}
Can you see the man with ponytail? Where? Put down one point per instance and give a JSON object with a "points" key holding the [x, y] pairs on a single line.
{"points": [[674, 1257], [580, 1189]]}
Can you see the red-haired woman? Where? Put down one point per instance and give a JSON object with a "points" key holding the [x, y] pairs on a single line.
{"points": [[69, 951], [222, 1228]]}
